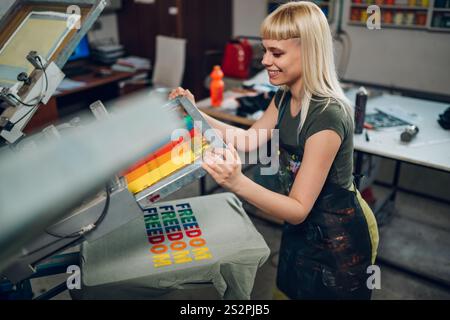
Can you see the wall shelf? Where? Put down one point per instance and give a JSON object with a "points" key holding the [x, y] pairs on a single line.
{"points": [[391, 26], [429, 18], [385, 6]]}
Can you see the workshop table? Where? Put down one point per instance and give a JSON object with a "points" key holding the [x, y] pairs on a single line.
{"points": [[430, 148]]}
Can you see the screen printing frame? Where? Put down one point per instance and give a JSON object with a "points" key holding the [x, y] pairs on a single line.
{"points": [[90, 10], [189, 173], [29, 95]]}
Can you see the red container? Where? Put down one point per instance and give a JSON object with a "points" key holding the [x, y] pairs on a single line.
{"points": [[421, 18], [355, 14], [388, 17]]}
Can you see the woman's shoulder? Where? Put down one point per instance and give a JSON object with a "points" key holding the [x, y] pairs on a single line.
{"points": [[328, 113], [328, 107]]}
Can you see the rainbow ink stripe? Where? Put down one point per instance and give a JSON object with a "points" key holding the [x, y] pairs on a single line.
{"points": [[165, 161]]}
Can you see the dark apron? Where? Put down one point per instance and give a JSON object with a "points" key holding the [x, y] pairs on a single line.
{"points": [[326, 256]]}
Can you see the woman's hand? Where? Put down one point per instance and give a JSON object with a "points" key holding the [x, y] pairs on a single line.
{"points": [[224, 165], [182, 92]]}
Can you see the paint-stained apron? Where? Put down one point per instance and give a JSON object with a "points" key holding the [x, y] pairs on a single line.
{"points": [[326, 256]]}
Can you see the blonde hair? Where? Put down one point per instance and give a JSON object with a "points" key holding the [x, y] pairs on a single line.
{"points": [[306, 21]]}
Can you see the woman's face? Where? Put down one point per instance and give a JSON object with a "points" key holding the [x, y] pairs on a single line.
{"points": [[282, 61]]}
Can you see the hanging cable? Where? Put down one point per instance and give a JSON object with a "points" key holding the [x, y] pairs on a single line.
{"points": [[89, 227], [10, 125]]}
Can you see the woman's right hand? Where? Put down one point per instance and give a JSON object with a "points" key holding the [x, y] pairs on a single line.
{"points": [[182, 92]]}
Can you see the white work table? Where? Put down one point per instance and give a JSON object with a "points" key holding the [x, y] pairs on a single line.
{"points": [[429, 148]]}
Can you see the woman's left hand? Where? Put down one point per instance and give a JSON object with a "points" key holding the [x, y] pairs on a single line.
{"points": [[224, 165]]}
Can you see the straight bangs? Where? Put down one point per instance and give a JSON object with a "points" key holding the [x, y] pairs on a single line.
{"points": [[280, 24]]}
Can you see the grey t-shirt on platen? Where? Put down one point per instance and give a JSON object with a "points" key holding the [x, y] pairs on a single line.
{"points": [[181, 244]]}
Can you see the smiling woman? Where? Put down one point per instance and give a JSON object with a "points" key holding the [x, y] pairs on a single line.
{"points": [[330, 235], [281, 59]]}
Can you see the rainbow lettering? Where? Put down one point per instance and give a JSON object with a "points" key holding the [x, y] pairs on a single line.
{"points": [[174, 235]]}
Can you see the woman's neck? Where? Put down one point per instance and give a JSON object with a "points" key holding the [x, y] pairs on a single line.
{"points": [[296, 90]]}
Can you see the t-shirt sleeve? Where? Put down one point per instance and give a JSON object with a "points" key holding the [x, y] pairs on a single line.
{"points": [[333, 117]]}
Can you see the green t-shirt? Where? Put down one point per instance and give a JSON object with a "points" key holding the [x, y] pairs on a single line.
{"points": [[332, 117]]}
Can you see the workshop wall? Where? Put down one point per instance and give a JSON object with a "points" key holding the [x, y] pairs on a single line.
{"points": [[105, 29], [411, 59], [247, 16]]}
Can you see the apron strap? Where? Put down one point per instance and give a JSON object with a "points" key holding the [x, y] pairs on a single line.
{"points": [[357, 176]]}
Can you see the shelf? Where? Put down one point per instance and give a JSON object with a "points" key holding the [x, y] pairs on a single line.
{"points": [[362, 5], [387, 25], [422, 14], [439, 29]]}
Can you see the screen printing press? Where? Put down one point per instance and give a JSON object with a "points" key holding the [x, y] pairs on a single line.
{"points": [[100, 185]]}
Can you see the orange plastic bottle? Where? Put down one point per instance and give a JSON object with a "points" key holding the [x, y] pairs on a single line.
{"points": [[216, 87]]}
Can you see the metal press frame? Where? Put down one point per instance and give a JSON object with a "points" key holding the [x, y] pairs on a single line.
{"points": [[191, 172]]}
